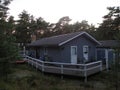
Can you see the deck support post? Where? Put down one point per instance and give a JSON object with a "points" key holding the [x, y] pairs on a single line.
{"points": [[32, 63], [61, 68], [28, 61], [101, 66], [61, 71], [106, 57], [85, 72]]}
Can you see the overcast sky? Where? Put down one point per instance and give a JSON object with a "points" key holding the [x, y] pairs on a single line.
{"points": [[53, 10]]}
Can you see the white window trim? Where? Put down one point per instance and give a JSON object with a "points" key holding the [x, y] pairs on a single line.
{"points": [[87, 52], [85, 47], [71, 49]]}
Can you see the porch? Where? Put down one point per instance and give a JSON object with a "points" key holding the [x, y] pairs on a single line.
{"points": [[82, 70]]}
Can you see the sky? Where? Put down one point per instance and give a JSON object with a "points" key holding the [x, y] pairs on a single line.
{"points": [[52, 10]]}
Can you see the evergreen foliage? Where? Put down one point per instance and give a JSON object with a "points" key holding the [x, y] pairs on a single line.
{"points": [[8, 48], [111, 24]]}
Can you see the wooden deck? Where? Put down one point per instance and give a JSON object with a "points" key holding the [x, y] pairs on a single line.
{"points": [[82, 70]]}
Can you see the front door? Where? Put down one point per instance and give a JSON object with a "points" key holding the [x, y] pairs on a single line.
{"points": [[74, 54], [85, 52]]}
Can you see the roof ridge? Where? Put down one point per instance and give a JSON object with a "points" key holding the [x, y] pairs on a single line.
{"points": [[62, 35]]}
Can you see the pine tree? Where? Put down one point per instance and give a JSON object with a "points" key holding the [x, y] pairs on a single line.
{"points": [[8, 48]]}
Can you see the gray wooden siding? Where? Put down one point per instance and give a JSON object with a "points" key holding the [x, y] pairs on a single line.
{"points": [[79, 42], [63, 53], [101, 55], [54, 54]]}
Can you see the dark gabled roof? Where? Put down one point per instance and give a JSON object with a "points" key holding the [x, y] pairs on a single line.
{"points": [[60, 39], [2, 6], [109, 43]]}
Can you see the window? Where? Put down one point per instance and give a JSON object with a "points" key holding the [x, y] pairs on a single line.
{"points": [[85, 52], [85, 49], [75, 52], [45, 51]]}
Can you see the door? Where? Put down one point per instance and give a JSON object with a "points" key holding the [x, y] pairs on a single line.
{"points": [[85, 52], [74, 54]]}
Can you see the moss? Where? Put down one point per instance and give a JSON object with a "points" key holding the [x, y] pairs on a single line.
{"points": [[24, 77]]}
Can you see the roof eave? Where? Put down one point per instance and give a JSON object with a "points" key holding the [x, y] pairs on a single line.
{"points": [[43, 45], [93, 39]]}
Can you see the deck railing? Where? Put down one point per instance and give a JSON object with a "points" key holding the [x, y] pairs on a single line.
{"points": [[83, 70]]}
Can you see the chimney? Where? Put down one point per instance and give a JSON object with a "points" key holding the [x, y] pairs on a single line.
{"points": [[33, 38]]}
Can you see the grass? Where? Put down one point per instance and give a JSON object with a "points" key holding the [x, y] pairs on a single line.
{"points": [[24, 77]]}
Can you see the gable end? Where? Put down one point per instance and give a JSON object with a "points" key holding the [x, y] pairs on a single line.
{"points": [[78, 36]]}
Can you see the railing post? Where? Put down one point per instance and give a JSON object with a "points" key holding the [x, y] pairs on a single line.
{"points": [[85, 72], [101, 66], [36, 65], [24, 58], [32, 62], [27, 60], [61, 68], [43, 66], [24, 50]]}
